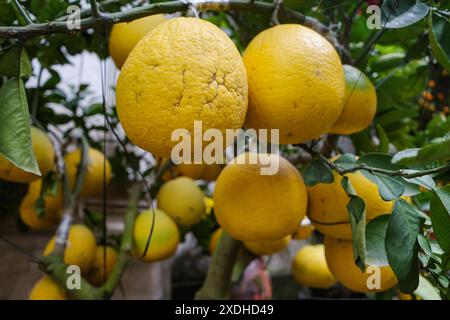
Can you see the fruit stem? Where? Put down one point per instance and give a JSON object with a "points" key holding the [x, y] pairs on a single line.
{"points": [[126, 243], [218, 280]]}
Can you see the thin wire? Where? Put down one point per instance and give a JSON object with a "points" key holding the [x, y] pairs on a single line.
{"points": [[32, 257]]}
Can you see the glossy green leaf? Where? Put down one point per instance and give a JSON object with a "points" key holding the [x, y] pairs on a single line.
{"points": [[317, 172], [14, 62], [357, 215], [397, 14], [15, 134], [402, 245], [384, 140], [389, 187], [440, 216], [375, 235], [440, 40]]}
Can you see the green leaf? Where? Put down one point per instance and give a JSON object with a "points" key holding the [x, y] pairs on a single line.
{"points": [[345, 161], [357, 215], [15, 134], [93, 109], [426, 290], [387, 61], [440, 216], [14, 62], [397, 14], [317, 172], [375, 235], [389, 187], [435, 152], [402, 245], [405, 156], [439, 39], [384, 140], [424, 181]]}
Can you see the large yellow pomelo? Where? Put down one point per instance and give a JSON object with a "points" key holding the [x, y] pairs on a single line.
{"points": [[303, 232], [327, 204], [52, 204], [93, 178], [310, 268], [185, 69], [125, 35], [80, 248], [339, 254], [47, 289], [296, 83], [164, 239], [182, 199], [97, 276], [360, 103], [261, 248], [201, 171], [251, 206], [44, 153]]}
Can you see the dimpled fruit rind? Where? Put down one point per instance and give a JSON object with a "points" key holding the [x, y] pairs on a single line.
{"points": [[185, 69]]}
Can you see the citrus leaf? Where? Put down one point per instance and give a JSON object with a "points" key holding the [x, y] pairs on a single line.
{"points": [[317, 172], [426, 291], [389, 187], [406, 156], [15, 134], [357, 215], [375, 235], [440, 216], [14, 62], [439, 40], [402, 245], [424, 181], [384, 140], [397, 14], [345, 161]]}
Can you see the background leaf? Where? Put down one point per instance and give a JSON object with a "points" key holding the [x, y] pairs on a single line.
{"points": [[317, 172], [397, 14], [15, 134], [402, 246], [375, 235], [15, 61], [439, 39], [440, 216]]}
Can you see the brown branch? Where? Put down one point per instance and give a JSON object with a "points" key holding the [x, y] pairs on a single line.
{"points": [[218, 280]]}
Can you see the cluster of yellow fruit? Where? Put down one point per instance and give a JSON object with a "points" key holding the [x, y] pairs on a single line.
{"points": [[53, 202], [83, 251], [290, 78], [180, 203], [327, 209], [185, 69]]}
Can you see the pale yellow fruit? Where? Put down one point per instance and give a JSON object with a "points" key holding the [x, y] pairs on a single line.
{"points": [[360, 103], [296, 83], [339, 254], [261, 248], [52, 203], [47, 289], [251, 206], [93, 178], [185, 69], [80, 248], [310, 268], [182, 199], [164, 240], [214, 241], [44, 153], [327, 204], [125, 35], [98, 275]]}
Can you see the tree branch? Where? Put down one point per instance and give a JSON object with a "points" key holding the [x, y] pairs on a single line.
{"points": [[60, 26], [126, 243], [94, 9], [22, 11], [218, 280]]}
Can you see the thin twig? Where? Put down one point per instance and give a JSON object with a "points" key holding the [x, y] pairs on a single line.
{"points": [[22, 11], [94, 9]]}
